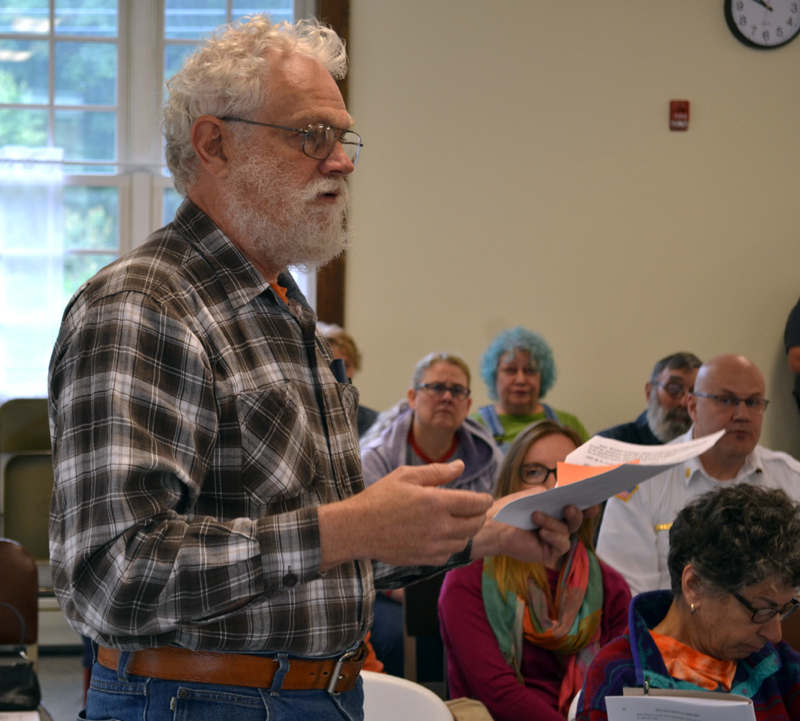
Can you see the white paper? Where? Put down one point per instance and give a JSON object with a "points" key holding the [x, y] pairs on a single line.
{"points": [[591, 491], [674, 708], [599, 451], [19, 716]]}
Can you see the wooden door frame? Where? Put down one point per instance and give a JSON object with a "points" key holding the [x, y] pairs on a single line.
{"points": [[331, 278]]}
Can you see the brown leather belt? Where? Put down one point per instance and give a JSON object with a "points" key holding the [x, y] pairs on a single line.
{"points": [[239, 669]]}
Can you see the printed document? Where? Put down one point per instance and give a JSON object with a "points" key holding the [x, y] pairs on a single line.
{"points": [[599, 469]]}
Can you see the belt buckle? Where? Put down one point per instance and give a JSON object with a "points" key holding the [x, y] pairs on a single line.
{"points": [[339, 663]]}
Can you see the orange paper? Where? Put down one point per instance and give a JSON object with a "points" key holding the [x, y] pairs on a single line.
{"points": [[569, 472]]}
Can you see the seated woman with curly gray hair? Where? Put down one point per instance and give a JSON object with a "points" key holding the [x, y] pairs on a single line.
{"points": [[734, 565], [518, 370]]}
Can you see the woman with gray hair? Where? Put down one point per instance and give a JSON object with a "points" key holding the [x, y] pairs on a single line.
{"points": [[734, 564], [431, 426]]}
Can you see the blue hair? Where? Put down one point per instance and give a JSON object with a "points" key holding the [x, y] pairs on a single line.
{"points": [[508, 341]]}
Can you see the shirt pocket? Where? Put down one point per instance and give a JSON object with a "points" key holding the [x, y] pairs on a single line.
{"points": [[279, 457]]}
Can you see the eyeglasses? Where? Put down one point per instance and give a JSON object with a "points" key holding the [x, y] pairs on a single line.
{"points": [[437, 390], [529, 371], [757, 405], [674, 390], [762, 615], [534, 474], [318, 140]]}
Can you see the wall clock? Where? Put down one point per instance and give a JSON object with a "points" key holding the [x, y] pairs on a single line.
{"points": [[763, 24]]}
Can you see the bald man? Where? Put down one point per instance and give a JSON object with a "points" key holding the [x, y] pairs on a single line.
{"points": [[728, 394]]}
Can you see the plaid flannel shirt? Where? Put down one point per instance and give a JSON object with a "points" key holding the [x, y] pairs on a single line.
{"points": [[196, 428]]}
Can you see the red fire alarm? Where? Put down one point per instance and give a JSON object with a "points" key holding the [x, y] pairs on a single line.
{"points": [[678, 114]]}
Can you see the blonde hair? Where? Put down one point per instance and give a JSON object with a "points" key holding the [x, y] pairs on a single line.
{"points": [[341, 340], [226, 76], [511, 574]]}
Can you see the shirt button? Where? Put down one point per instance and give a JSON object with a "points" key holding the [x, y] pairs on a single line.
{"points": [[290, 580]]}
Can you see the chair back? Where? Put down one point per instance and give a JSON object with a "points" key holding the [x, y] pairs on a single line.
{"points": [[24, 425], [420, 616], [388, 698], [20, 588], [26, 474]]}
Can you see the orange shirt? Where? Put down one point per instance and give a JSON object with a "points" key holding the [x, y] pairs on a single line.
{"points": [[686, 664], [281, 291]]}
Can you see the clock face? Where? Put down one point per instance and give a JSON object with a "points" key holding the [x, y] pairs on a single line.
{"points": [[763, 24]]}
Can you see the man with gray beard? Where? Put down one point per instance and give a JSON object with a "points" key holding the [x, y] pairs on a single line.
{"points": [[210, 530], [667, 393]]}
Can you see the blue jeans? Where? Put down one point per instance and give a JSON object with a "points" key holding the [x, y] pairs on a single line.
{"points": [[124, 697]]}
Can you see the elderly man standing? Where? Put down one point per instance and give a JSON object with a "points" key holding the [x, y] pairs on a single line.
{"points": [[728, 394], [210, 530], [667, 393]]}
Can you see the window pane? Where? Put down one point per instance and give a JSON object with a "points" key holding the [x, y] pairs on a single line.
{"points": [[31, 269], [85, 135], [169, 205], [86, 73], [278, 10], [24, 16], [86, 17], [173, 58], [23, 72], [23, 127], [91, 218], [79, 268], [192, 18]]}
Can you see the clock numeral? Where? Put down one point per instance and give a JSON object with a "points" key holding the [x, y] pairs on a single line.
{"points": [[765, 36], [743, 20], [793, 7], [740, 5], [779, 33]]}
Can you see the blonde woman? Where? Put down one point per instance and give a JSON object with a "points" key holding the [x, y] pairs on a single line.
{"points": [[519, 637]]}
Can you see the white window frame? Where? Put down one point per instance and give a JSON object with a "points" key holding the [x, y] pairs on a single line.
{"points": [[141, 175]]}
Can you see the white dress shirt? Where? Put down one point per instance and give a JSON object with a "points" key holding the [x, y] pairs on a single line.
{"points": [[634, 535]]}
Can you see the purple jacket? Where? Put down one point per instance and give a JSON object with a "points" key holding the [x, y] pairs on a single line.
{"points": [[482, 458]]}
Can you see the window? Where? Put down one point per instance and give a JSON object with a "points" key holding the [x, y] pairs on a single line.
{"points": [[82, 178]]}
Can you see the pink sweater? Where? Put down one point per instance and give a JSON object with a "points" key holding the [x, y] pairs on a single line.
{"points": [[475, 666]]}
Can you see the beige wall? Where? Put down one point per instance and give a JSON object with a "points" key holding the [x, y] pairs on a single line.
{"points": [[518, 169]]}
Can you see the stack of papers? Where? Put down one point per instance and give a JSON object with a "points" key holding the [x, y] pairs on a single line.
{"points": [[599, 469], [678, 705]]}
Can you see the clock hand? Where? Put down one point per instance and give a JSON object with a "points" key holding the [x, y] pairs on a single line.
{"points": [[764, 3]]}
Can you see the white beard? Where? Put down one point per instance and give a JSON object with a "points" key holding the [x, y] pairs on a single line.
{"points": [[284, 227], [666, 425]]}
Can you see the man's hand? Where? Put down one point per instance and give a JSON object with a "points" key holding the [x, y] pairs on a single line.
{"points": [[544, 545], [404, 519]]}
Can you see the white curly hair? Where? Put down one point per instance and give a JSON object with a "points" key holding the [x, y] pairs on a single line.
{"points": [[225, 76]]}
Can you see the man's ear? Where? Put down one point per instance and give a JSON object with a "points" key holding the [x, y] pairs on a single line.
{"points": [[412, 398], [209, 140], [691, 407], [647, 388]]}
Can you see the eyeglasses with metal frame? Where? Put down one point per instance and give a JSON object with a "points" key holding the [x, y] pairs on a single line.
{"points": [[763, 615], [757, 405], [319, 140], [437, 390], [534, 474], [675, 390]]}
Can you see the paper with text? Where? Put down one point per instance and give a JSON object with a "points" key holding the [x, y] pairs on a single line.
{"points": [[593, 490], [679, 708], [599, 451]]}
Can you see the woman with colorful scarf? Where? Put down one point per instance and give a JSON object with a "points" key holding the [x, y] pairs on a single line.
{"points": [[519, 637]]}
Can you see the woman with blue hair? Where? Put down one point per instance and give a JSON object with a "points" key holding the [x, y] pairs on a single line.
{"points": [[519, 370]]}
